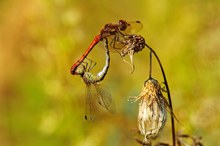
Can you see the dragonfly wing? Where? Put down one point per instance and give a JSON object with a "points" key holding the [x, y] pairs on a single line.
{"points": [[105, 98], [133, 27], [90, 105]]}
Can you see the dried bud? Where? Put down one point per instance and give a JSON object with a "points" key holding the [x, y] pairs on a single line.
{"points": [[133, 44], [152, 110]]}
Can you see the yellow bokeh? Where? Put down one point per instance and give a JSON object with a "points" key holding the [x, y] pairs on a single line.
{"points": [[41, 103]]}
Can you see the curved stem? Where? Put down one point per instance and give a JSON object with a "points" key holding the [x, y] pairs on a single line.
{"points": [[168, 94], [150, 64]]}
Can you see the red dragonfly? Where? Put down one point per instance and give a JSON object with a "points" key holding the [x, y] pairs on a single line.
{"points": [[114, 32]]}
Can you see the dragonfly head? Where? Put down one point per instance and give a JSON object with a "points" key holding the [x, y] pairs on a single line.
{"points": [[80, 70], [123, 25]]}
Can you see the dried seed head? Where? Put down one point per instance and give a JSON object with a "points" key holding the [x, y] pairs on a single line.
{"points": [[152, 110], [134, 44]]}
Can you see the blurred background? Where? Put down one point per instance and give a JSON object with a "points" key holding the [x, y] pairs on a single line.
{"points": [[41, 103]]}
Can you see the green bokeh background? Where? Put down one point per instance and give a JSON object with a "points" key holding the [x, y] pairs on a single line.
{"points": [[42, 104]]}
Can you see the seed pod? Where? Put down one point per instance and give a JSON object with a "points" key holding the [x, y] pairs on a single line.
{"points": [[133, 44], [152, 110]]}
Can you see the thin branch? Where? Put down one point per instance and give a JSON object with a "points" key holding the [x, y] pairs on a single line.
{"points": [[150, 64]]}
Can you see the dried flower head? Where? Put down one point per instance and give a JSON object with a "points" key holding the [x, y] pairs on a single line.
{"points": [[152, 110], [133, 44]]}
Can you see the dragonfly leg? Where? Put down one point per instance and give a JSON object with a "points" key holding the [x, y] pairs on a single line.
{"points": [[85, 64], [113, 45], [91, 64], [115, 40]]}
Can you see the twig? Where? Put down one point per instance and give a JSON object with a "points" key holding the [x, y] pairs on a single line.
{"points": [[150, 65]]}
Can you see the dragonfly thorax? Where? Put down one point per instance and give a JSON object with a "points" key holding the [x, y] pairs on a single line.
{"points": [[89, 78], [113, 29]]}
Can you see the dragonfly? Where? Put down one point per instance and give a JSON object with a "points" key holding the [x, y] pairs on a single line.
{"points": [[104, 98], [116, 33]]}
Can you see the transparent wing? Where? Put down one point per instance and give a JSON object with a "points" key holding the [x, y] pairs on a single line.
{"points": [[116, 43], [133, 27], [105, 98], [90, 111]]}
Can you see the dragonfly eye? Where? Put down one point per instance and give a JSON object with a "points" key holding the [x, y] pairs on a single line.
{"points": [[122, 25]]}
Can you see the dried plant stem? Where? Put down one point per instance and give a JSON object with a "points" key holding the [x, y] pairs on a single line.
{"points": [[150, 65], [168, 94]]}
